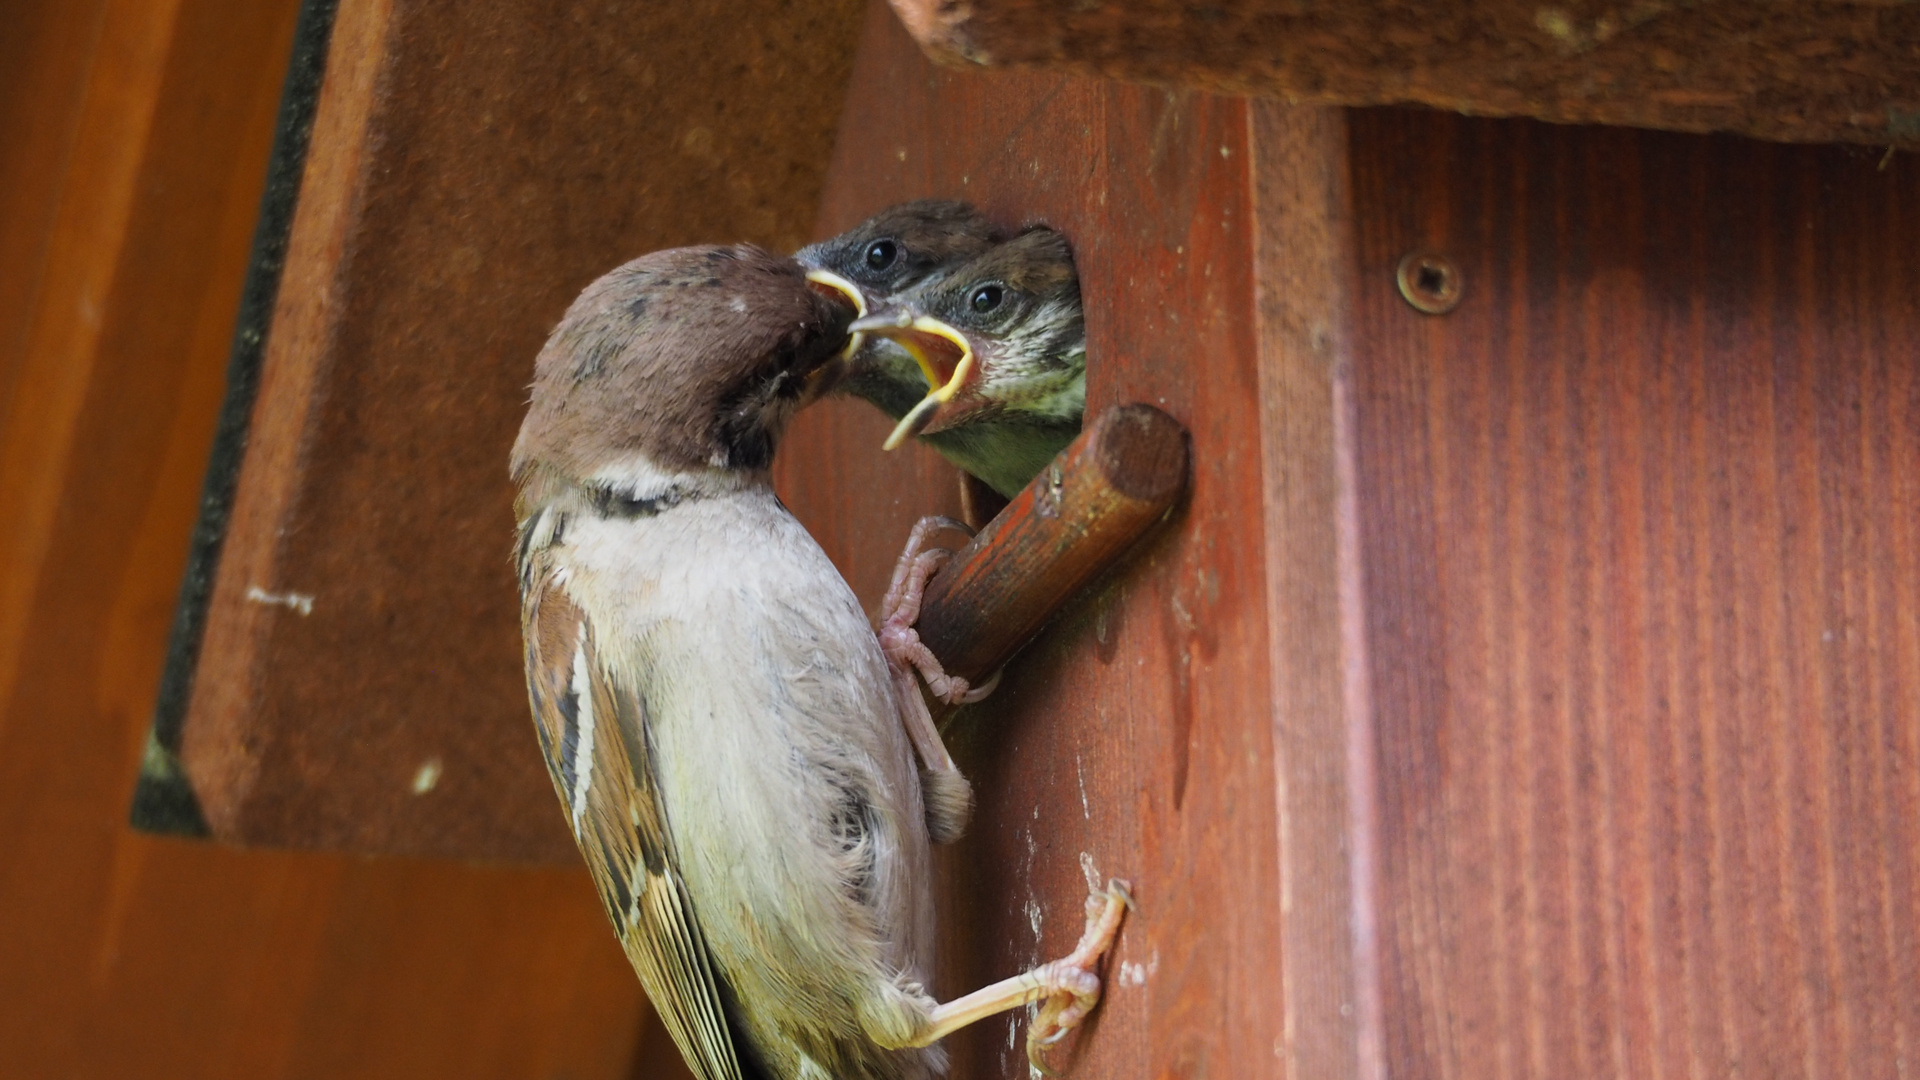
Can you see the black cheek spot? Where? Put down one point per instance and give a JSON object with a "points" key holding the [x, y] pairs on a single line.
{"points": [[712, 283], [786, 388], [750, 449], [740, 426], [637, 308], [743, 438]]}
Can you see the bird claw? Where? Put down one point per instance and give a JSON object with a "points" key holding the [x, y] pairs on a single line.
{"points": [[979, 693], [1073, 984], [901, 609]]}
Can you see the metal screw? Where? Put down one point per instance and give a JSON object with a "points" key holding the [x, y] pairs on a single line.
{"points": [[1431, 283]]}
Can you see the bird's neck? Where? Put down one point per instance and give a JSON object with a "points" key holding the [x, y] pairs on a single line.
{"points": [[632, 486], [1051, 392], [635, 479]]}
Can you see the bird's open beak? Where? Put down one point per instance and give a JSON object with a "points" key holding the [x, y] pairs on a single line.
{"points": [[945, 357], [835, 287]]}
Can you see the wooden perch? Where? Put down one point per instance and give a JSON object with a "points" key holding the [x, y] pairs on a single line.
{"points": [[1073, 521]]}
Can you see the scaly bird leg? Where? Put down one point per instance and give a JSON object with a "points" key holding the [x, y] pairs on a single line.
{"points": [[948, 795], [949, 798], [1069, 987]]}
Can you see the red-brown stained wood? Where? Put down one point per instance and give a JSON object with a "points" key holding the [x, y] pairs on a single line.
{"points": [[1322, 721], [473, 166], [1800, 71], [1524, 691], [1588, 610], [1133, 737], [1073, 521], [130, 956], [1640, 536]]}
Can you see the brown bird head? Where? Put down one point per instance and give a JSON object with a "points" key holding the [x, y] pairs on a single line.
{"points": [[691, 359]]}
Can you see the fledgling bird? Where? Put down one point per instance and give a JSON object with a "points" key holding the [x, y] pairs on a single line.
{"points": [[878, 259], [730, 745], [874, 264], [1001, 344]]}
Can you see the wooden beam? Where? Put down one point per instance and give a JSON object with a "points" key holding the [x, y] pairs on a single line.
{"points": [[1801, 71]]}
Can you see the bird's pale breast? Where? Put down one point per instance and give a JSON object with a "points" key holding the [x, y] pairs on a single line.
{"points": [[746, 643]]}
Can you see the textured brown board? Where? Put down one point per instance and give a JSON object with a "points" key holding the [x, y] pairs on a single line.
{"points": [[1582, 616], [1133, 736], [473, 166], [1640, 541], [1801, 71]]}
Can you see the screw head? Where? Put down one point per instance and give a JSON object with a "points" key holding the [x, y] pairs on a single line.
{"points": [[1431, 283]]}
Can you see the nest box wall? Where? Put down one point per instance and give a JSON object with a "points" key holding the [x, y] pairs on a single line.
{"points": [[1527, 684], [470, 168]]}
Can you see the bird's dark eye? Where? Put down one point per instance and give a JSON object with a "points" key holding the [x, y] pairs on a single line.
{"points": [[986, 298], [882, 254]]}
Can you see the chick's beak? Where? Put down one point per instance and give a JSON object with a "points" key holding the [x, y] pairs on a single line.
{"points": [[946, 359], [839, 289]]}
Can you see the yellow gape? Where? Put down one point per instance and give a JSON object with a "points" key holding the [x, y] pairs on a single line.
{"points": [[937, 394]]}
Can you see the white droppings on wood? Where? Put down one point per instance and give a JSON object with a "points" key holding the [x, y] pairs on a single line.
{"points": [[301, 603], [427, 776]]}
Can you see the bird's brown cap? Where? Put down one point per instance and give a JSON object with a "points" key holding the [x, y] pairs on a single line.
{"points": [[695, 357]]}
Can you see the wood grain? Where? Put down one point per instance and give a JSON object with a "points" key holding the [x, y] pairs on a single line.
{"points": [[1800, 71], [1133, 737], [473, 166], [1554, 712], [128, 956], [43, 61], [1072, 523], [1638, 527], [1320, 709]]}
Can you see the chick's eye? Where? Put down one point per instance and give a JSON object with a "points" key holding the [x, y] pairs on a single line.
{"points": [[882, 254], [986, 298]]}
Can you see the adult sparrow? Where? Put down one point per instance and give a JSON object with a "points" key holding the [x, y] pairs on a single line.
{"points": [[730, 746]]}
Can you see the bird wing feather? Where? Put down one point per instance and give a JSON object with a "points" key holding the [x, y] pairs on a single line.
{"points": [[593, 735]]}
